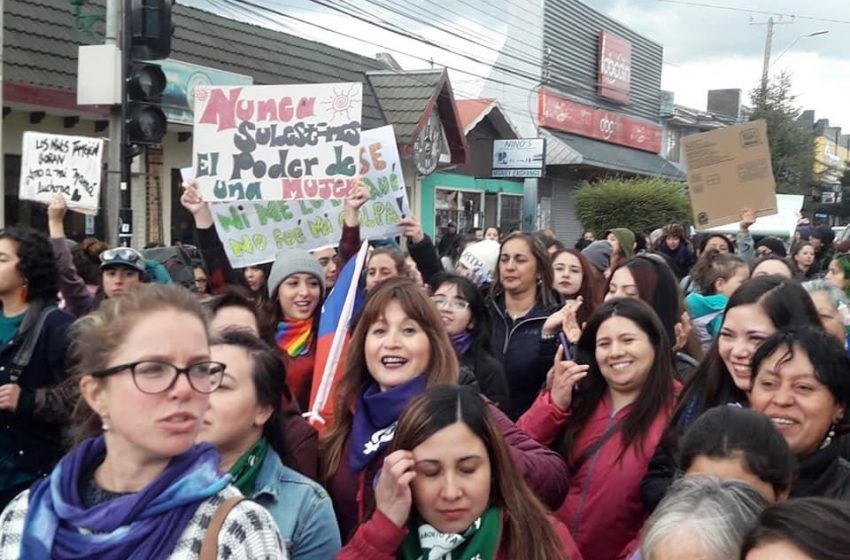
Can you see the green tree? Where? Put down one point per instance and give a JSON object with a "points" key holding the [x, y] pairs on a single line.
{"points": [[638, 204], [792, 147]]}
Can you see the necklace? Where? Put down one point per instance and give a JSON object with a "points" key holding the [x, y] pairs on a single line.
{"points": [[515, 316]]}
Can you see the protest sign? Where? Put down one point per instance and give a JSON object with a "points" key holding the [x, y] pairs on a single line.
{"points": [[54, 164], [254, 231], [288, 142], [729, 169]]}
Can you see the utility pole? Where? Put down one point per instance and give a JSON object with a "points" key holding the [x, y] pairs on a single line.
{"points": [[2, 152], [112, 204], [768, 45]]}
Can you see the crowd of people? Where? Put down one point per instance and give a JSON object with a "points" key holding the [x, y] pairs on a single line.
{"points": [[651, 395]]}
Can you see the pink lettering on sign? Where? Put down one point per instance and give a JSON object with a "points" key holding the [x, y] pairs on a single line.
{"points": [[562, 114], [615, 67], [227, 109], [324, 189]]}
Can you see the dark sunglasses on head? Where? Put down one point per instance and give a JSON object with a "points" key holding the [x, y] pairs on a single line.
{"points": [[762, 252]]}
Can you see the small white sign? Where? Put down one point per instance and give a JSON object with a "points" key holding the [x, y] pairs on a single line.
{"points": [[70, 166], [520, 155]]}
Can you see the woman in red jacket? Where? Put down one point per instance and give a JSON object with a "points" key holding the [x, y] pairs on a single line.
{"points": [[449, 485], [606, 418], [398, 349]]}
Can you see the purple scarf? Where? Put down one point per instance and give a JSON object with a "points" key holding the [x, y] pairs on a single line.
{"points": [[375, 418], [144, 525], [462, 342]]}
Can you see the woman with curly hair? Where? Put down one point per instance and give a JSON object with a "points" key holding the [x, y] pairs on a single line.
{"points": [[28, 287]]}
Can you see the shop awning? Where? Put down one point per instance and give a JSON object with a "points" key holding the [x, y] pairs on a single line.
{"points": [[595, 153]]}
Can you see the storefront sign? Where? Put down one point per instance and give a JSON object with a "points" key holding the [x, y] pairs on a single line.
{"points": [[523, 157], [182, 78], [282, 142], [252, 232], [562, 114], [615, 67], [70, 166]]}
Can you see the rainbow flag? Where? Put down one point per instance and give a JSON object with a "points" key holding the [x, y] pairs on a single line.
{"points": [[345, 299]]}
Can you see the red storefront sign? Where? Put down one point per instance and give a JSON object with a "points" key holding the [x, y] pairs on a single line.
{"points": [[615, 67], [568, 116]]}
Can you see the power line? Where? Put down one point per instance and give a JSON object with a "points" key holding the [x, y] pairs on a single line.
{"points": [[753, 11]]}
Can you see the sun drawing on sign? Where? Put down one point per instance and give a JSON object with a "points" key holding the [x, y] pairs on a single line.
{"points": [[341, 102]]}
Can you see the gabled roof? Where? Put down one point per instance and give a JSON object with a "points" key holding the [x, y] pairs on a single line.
{"points": [[409, 97], [473, 111]]}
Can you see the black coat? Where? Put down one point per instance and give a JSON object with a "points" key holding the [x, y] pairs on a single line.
{"points": [[824, 474], [526, 357], [29, 447], [488, 371]]}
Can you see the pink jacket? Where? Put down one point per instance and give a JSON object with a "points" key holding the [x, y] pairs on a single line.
{"points": [[603, 509], [380, 539]]}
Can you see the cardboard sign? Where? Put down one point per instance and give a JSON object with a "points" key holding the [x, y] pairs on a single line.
{"points": [[70, 166], [254, 231], [729, 169], [289, 142]]}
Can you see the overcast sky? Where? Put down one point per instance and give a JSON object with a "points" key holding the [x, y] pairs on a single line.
{"points": [[704, 48]]}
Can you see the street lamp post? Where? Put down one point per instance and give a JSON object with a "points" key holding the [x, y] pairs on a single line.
{"points": [[767, 47]]}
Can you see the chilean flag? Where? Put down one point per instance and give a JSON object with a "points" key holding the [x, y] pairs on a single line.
{"points": [[344, 301]]}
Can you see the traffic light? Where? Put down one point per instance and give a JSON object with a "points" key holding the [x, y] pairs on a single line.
{"points": [[148, 27]]}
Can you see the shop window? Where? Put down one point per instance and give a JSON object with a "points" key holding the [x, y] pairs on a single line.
{"points": [[461, 207], [510, 214]]}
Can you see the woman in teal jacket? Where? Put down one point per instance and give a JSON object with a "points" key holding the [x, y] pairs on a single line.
{"points": [[242, 422]]}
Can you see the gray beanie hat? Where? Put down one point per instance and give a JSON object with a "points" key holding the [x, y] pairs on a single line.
{"points": [[293, 261], [599, 254]]}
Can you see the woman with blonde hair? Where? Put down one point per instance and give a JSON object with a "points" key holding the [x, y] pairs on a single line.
{"points": [[449, 484], [398, 349], [138, 486]]}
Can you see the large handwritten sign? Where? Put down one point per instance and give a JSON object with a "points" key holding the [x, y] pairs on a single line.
{"points": [[54, 164], [254, 231], [262, 143]]}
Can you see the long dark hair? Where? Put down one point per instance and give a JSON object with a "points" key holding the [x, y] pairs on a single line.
{"points": [[269, 377], [591, 285], [545, 294], [36, 262], [529, 533], [784, 301], [656, 393], [480, 315]]}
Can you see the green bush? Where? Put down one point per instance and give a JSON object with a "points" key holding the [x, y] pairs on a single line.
{"points": [[638, 204]]}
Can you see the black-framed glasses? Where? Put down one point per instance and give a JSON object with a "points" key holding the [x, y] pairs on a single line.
{"points": [[152, 377], [763, 252], [126, 254], [456, 304]]}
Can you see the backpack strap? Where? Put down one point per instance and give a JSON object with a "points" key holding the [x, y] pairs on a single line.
{"points": [[209, 548], [24, 355]]}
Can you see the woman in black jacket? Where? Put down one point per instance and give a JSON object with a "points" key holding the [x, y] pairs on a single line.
{"points": [[464, 313], [521, 301]]}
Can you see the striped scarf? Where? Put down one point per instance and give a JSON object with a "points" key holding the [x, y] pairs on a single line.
{"points": [[293, 337]]}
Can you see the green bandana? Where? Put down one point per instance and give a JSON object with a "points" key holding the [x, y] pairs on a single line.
{"points": [[246, 469], [479, 542]]}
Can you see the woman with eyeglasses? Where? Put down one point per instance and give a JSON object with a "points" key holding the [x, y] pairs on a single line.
{"points": [[122, 268], [138, 486], [245, 423], [463, 311]]}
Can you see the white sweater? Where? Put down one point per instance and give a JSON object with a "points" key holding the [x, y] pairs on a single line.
{"points": [[249, 531]]}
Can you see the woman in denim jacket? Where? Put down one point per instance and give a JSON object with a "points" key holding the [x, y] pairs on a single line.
{"points": [[242, 421]]}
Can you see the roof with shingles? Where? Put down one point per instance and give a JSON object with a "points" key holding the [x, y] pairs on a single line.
{"points": [[405, 96], [41, 49]]}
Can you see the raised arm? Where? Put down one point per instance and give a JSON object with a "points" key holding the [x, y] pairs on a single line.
{"points": [[78, 299]]}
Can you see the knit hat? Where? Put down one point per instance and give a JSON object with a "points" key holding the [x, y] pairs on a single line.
{"points": [[626, 239], [480, 260], [294, 261], [599, 254], [776, 246]]}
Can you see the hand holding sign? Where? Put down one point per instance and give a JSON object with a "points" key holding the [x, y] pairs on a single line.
{"points": [[192, 201], [358, 197], [57, 209], [412, 229]]}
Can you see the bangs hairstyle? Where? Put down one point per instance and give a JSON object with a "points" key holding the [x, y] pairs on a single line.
{"points": [[98, 335], [541, 259], [479, 315], [591, 284], [785, 303], [732, 432], [442, 368], [656, 393], [657, 286], [269, 377], [530, 535], [828, 358]]}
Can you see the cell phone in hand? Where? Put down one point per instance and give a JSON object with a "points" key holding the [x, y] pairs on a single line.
{"points": [[566, 346]]}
